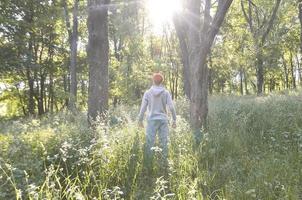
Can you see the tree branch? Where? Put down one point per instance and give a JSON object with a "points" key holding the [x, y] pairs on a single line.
{"points": [[271, 21], [248, 17], [217, 21]]}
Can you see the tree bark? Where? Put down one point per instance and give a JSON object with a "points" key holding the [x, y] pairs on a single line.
{"points": [[65, 86], [299, 70], [292, 70], [40, 97], [51, 93], [285, 73], [29, 66], [197, 42], [73, 42], [31, 92], [31, 100], [73, 58], [241, 81], [180, 31], [97, 52], [300, 20], [245, 84], [260, 72]]}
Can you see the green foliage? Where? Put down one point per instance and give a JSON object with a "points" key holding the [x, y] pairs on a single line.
{"points": [[252, 151], [34, 46]]}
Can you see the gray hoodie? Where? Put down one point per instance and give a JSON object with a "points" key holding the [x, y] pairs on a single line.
{"points": [[157, 98]]}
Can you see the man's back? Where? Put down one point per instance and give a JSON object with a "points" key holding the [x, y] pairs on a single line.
{"points": [[156, 99]]}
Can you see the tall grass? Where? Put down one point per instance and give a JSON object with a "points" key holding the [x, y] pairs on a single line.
{"points": [[252, 151]]}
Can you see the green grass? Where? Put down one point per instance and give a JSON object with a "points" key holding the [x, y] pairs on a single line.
{"points": [[252, 151]]}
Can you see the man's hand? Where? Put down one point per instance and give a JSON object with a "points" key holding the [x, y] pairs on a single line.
{"points": [[174, 125], [140, 124]]}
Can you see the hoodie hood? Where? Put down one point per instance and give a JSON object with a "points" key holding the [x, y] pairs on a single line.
{"points": [[157, 90]]}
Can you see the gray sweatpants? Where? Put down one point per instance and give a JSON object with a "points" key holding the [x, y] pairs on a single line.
{"points": [[153, 127]]}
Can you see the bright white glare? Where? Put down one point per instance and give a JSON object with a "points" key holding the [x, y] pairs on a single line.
{"points": [[161, 12]]}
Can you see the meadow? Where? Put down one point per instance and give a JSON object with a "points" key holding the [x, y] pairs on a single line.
{"points": [[252, 150]]}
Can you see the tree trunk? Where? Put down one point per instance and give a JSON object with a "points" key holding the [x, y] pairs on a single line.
{"points": [[299, 70], [39, 93], [29, 59], [73, 42], [65, 76], [65, 86], [260, 72], [40, 97], [199, 92], [241, 81], [198, 40], [300, 19], [51, 93], [245, 84], [285, 73], [97, 52], [181, 34], [31, 92], [73, 58], [292, 70], [31, 101]]}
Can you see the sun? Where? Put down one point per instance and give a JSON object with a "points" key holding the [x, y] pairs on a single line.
{"points": [[160, 12]]}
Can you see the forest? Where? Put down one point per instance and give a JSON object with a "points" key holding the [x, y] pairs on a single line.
{"points": [[73, 74]]}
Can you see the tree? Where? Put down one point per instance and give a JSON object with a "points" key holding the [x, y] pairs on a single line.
{"points": [[97, 52], [73, 43], [32, 39], [260, 28], [196, 38], [300, 20]]}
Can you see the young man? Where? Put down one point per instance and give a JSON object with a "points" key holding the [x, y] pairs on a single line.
{"points": [[156, 99]]}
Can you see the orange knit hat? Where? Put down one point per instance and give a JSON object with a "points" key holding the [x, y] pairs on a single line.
{"points": [[158, 78]]}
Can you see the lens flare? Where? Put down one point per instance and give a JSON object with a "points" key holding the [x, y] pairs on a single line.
{"points": [[160, 12]]}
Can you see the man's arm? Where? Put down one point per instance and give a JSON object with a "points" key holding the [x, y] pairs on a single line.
{"points": [[171, 107], [143, 108]]}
